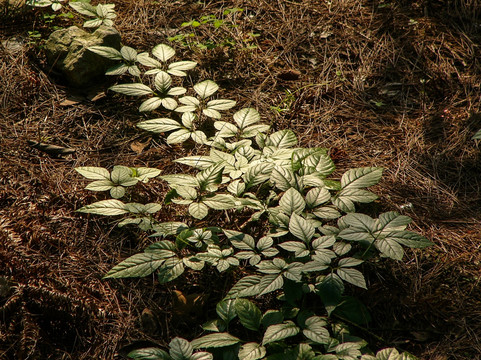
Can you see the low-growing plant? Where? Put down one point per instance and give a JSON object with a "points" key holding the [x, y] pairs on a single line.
{"points": [[309, 246], [314, 244]]}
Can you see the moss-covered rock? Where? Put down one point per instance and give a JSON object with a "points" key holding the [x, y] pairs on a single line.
{"points": [[66, 51]]}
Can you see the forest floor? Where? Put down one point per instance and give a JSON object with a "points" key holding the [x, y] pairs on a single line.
{"points": [[394, 84]]}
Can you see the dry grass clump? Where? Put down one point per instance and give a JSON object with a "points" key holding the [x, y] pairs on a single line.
{"points": [[380, 83]]}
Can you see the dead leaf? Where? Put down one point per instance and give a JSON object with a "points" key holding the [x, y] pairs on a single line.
{"points": [[138, 146], [53, 150], [289, 75], [186, 304], [73, 100]]}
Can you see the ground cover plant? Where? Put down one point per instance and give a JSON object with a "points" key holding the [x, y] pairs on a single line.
{"points": [[55, 260]]}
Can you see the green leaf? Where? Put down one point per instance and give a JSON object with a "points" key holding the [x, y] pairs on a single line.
{"points": [[271, 282], [390, 248], [240, 240], [150, 353], [357, 195], [249, 314], [327, 212], [283, 139], [132, 89], [280, 332], [409, 239], [215, 341], [298, 248], [93, 173], [301, 228], [352, 276], [315, 330], [138, 265], [163, 52], [361, 177], [252, 351], [105, 207], [388, 354], [159, 125], [226, 310], [106, 52], [246, 117], [292, 202], [206, 88], [247, 286], [170, 270], [180, 349], [198, 210]]}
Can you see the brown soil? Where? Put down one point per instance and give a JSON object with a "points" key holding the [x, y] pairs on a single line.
{"points": [[380, 83]]}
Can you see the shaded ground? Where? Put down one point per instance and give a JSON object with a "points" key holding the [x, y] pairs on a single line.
{"points": [[392, 84]]}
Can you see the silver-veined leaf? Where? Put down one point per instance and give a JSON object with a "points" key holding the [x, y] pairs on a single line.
{"points": [[219, 202], [118, 69], [138, 265], [106, 52], [409, 239], [301, 228], [249, 314], [283, 139], [159, 125], [390, 248], [93, 172], [357, 195], [270, 282], [163, 52], [327, 212], [221, 104], [150, 353], [105, 207], [251, 351], [214, 114], [206, 88], [199, 162], [178, 136], [198, 210], [162, 81], [100, 185], [352, 276], [215, 340], [93, 23], [247, 286], [317, 196], [280, 332], [292, 202], [169, 103], [117, 192], [128, 53], [83, 8], [150, 105], [361, 177], [245, 117], [180, 349], [226, 310], [283, 179], [298, 248], [315, 330], [136, 89], [240, 240], [171, 269]]}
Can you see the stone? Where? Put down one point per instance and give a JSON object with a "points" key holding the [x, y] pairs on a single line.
{"points": [[66, 51]]}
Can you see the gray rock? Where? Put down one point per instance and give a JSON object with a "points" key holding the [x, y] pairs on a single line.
{"points": [[66, 51]]}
